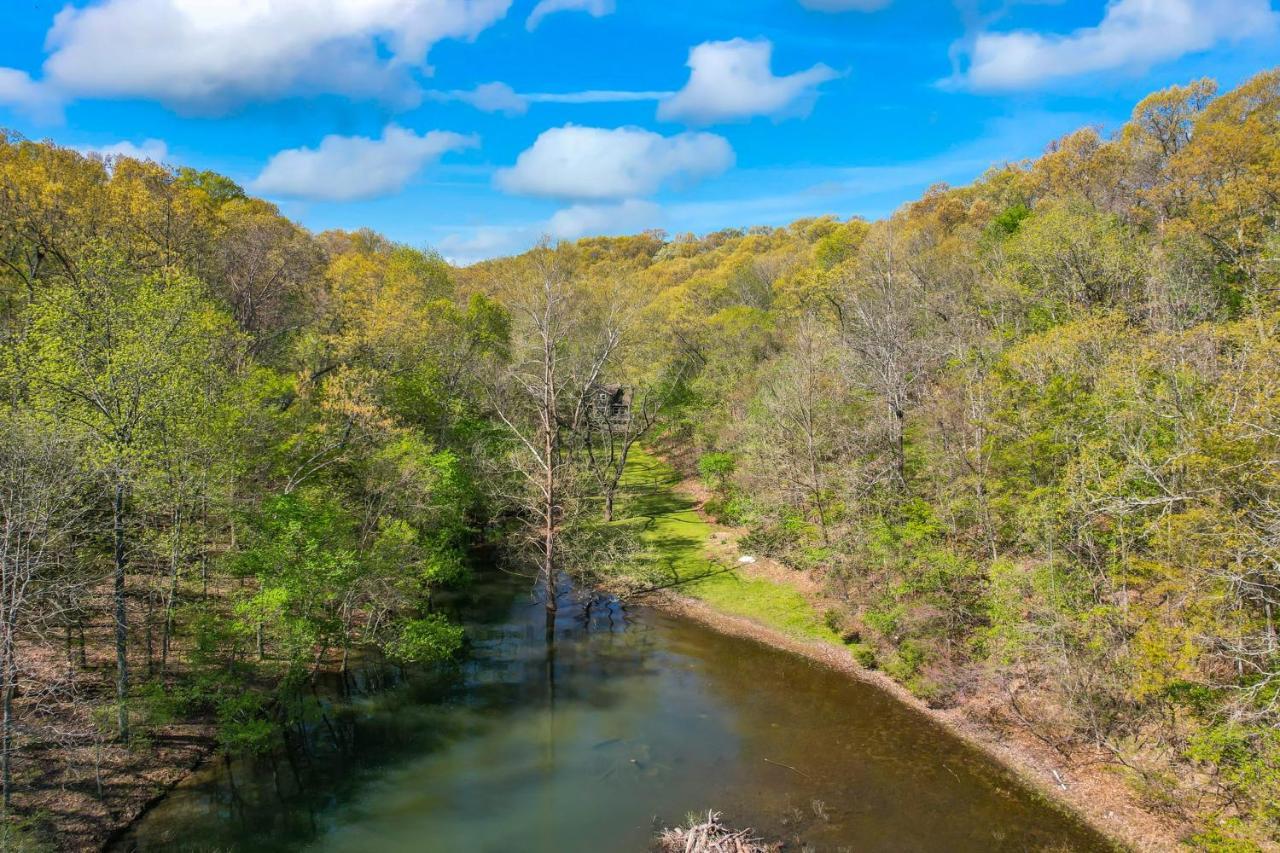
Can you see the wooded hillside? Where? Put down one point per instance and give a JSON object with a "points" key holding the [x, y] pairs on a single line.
{"points": [[1027, 431]]}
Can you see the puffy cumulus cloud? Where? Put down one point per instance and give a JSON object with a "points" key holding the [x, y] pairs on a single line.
{"points": [[206, 56], [149, 149], [734, 80], [845, 5], [19, 91], [594, 164], [582, 220], [348, 168], [595, 8], [1133, 35]]}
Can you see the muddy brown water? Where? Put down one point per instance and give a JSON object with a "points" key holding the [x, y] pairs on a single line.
{"points": [[629, 721]]}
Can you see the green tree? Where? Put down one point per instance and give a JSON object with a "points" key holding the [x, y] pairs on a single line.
{"points": [[122, 356]]}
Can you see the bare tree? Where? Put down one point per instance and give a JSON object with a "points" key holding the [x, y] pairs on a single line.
{"points": [[564, 333], [806, 426], [263, 264], [40, 507], [884, 315]]}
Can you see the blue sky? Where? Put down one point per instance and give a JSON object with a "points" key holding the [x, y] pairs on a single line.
{"points": [[476, 126]]}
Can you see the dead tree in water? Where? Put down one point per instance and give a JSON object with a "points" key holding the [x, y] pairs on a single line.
{"points": [[563, 336]]}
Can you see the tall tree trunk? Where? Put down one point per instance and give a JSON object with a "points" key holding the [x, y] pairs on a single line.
{"points": [[122, 627], [149, 622], [816, 480], [1271, 629], [172, 596], [900, 440], [549, 427], [549, 533], [10, 671]]}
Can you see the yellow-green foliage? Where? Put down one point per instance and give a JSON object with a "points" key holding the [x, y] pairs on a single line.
{"points": [[1026, 430], [1039, 434]]}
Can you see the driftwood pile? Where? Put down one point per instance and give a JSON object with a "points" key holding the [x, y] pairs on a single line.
{"points": [[712, 836]]}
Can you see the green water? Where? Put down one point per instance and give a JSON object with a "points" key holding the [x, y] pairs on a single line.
{"points": [[627, 722]]}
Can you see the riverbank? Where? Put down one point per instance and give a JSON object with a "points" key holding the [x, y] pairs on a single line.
{"points": [[696, 561], [68, 812], [78, 787], [626, 722], [698, 571]]}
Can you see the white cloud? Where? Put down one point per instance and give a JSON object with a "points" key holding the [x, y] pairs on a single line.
{"points": [[583, 220], [595, 164], [486, 241], [596, 96], [1133, 35], [595, 8], [845, 5], [149, 149], [469, 244], [733, 80], [18, 90], [17, 87], [489, 98], [347, 168], [204, 55], [501, 98]]}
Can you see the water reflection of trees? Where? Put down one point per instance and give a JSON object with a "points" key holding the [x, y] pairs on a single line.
{"points": [[350, 730]]}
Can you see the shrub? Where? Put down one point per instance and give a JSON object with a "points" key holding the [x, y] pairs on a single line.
{"points": [[906, 662], [833, 620], [885, 622], [771, 540], [716, 469], [732, 509], [865, 655], [423, 640]]}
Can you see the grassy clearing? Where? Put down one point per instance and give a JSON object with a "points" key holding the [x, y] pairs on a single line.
{"points": [[676, 541]]}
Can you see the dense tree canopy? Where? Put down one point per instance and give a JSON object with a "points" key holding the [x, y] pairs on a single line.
{"points": [[1026, 432]]}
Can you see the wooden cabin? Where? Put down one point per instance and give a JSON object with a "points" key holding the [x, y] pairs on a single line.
{"points": [[611, 404]]}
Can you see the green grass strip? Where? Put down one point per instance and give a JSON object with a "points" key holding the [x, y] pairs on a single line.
{"points": [[676, 541]]}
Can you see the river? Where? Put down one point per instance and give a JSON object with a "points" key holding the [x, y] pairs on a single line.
{"points": [[631, 720]]}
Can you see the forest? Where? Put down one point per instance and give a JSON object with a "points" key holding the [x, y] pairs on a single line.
{"points": [[1026, 432]]}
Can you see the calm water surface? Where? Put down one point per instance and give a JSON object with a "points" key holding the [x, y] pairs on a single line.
{"points": [[630, 721]]}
